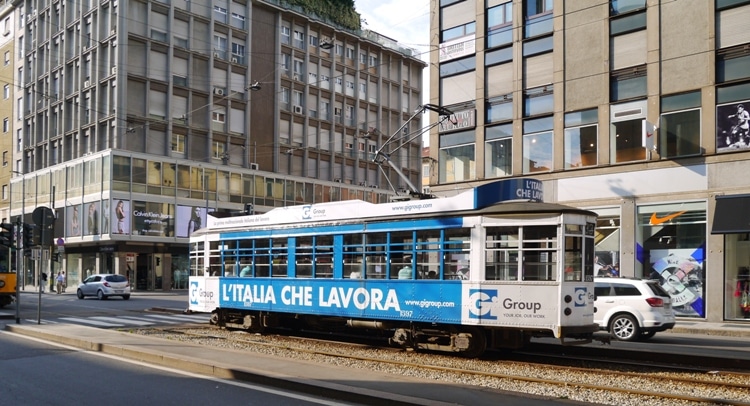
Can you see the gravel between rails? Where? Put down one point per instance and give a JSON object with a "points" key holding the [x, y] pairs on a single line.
{"points": [[316, 351]]}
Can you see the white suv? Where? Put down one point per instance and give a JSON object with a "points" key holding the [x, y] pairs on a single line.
{"points": [[632, 309]]}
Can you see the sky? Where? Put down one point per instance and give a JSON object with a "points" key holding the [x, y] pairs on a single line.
{"points": [[406, 21]]}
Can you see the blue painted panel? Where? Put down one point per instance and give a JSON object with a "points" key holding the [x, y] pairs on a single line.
{"points": [[389, 300]]}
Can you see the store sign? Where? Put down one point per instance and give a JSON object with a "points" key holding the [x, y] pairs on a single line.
{"points": [[457, 48], [459, 121]]}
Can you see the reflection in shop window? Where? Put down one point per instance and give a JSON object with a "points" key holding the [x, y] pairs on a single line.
{"points": [[671, 244]]}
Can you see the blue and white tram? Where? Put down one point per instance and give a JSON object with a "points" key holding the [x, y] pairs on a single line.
{"points": [[489, 268]]}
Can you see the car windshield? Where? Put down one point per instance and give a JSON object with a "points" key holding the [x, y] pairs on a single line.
{"points": [[115, 278]]}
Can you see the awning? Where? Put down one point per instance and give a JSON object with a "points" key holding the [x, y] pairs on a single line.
{"points": [[731, 215]]}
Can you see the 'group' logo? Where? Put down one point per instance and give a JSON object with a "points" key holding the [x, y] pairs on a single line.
{"points": [[580, 297], [194, 288], [481, 303]]}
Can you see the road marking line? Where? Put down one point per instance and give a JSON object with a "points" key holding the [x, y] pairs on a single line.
{"points": [[90, 321], [120, 320]]}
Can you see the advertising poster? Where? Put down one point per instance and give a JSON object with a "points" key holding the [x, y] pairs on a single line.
{"points": [[91, 225], [73, 223], [153, 219], [121, 216], [189, 219], [733, 126], [681, 275]]}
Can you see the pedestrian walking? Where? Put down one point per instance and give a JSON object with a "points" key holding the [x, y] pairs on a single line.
{"points": [[60, 279], [65, 281]]}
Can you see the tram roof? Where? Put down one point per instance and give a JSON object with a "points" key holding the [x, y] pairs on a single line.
{"points": [[503, 197]]}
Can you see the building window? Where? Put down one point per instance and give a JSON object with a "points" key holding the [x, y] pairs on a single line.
{"points": [[626, 132], [500, 108], [238, 21], [363, 58], [580, 143], [285, 35], [537, 145], [6, 124], [732, 64], [313, 40], [373, 60], [349, 53], [459, 31], [299, 39], [7, 58], [538, 18], [500, 25], [457, 157], [539, 100], [680, 125], [498, 150], [628, 84], [218, 117], [220, 14], [5, 192], [178, 143], [5, 158], [458, 66], [339, 49], [219, 149]]}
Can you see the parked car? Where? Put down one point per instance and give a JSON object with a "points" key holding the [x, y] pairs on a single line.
{"points": [[632, 309], [103, 286]]}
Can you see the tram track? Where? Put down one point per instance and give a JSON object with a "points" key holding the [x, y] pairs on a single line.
{"points": [[606, 382]]}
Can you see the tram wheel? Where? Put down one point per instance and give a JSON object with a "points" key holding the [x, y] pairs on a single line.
{"points": [[477, 343], [214, 320]]}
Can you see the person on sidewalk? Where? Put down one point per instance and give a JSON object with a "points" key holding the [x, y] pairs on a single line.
{"points": [[65, 281], [59, 280]]}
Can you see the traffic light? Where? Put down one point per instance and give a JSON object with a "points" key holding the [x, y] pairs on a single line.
{"points": [[29, 239], [7, 235]]}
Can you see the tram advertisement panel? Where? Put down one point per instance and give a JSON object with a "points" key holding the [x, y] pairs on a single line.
{"points": [[453, 302]]}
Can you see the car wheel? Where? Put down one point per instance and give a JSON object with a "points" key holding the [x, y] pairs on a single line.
{"points": [[624, 327], [100, 295], [126, 297], [79, 293]]}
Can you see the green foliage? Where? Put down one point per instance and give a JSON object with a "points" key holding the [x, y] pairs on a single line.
{"points": [[341, 12]]}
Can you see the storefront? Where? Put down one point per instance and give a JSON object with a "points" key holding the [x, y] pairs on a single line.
{"points": [[732, 218]]}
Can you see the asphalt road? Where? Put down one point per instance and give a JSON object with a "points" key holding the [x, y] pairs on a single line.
{"points": [[41, 373]]}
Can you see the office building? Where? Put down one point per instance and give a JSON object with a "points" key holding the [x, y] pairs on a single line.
{"points": [[135, 118], [634, 109]]}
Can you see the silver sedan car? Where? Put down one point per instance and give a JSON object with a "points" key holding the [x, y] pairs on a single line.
{"points": [[103, 286]]}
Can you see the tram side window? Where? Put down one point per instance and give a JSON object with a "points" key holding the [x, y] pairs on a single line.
{"points": [[245, 253], [279, 257], [456, 248], [262, 258], [428, 254], [375, 263], [539, 253], [304, 256], [501, 254], [353, 257], [323, 257], [214, 261], [402, 253], [196, 260]]}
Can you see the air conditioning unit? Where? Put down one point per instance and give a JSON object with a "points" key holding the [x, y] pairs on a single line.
{"points": [[234, 60], [296, 77], [426, 190], [216, 54], [218, 91], [113, 32], [87, 83], [114, 70], [254, 166], [298, 109]]}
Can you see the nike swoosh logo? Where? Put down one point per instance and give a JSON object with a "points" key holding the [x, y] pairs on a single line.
{"points": [[655, 221]]}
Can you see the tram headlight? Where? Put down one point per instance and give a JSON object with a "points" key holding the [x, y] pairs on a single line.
{"points": [[568, 298], [567, 311], [2, 284]]}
